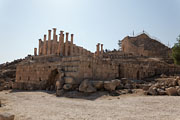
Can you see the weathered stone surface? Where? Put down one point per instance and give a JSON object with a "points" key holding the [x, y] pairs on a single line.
{"points": [[6, 116], [98, 84], [86, 86], [90, 89], [163, 76], [178, 91], [171, 91], [59, 92], [69, 80], [161, 92], [67, 86], [152, 90], [59, 84], [111, 85], [178, 82]]}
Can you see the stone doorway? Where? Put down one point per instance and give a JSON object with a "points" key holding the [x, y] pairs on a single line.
{"points": [[52, 80]]}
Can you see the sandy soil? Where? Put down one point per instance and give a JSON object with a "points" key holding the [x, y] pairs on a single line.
{"points": [[45, 106]]}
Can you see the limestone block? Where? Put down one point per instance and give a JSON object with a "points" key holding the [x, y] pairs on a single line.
{"points": [[59, 84], [86, 86], [59, 92], [69, 80], [67, 86], [110, 86], [98, 84], [171, 91], [6, 116]]}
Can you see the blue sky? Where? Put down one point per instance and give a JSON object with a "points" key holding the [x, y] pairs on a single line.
{"points": [[23, 22]]}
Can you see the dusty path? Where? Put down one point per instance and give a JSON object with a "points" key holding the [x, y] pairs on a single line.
{"points": [[44, 106]]}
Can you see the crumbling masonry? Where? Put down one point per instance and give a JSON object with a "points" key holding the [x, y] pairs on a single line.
{"points": [[58, 59]]}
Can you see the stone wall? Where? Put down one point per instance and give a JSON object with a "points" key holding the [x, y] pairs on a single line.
{"points": [[38, 72], [143, 45]]}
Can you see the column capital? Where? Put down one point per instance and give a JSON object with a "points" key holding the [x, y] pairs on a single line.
{"points": [[67, 33]]}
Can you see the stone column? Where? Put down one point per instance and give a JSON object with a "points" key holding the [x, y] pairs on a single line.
{"points": [[97, 51], [54, 41], [66, 45], [40, 46], [71, 48], [35, 51], [102, 49], [49, 42], [45, 46], [61, 44]]}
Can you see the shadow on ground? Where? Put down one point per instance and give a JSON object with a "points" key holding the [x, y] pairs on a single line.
{"points": [[71, 94]]}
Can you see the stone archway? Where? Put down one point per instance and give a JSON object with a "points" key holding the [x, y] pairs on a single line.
{"points": [[50, 85]]}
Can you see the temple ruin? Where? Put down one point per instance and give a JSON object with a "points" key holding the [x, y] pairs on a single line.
{"points": [[59, 58]]}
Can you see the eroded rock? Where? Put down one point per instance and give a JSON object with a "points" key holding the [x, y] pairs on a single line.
{"points": [[171, 91], [67, 86], [6, 116], [98, 84], [86, 86]]}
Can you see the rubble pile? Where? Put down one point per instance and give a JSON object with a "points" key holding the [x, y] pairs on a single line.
{"points": [[165, 86], [114, 87], [8, 74]]}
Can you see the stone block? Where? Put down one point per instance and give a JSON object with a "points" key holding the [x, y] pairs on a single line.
{"points": [[67, 86], [98, 84], [171, 91], [69, 80], [6, 116], [86, 86]]}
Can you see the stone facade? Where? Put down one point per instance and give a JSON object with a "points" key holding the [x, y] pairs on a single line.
{"points": [[143, 45], [58, 59]]}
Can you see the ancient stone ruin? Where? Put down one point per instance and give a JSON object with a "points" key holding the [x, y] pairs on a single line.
{"points": [[62, 65]]}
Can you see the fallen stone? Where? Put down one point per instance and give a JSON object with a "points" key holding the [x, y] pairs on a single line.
{"points": [[178, 82], [110, 85], [59, 84], [152, 90], [83, 86], [98, 84], [69, 80], [178, 91], [90, 89], [163, 76], [171, 91], [67, 86], [86, 86], [59, 92], [6, 116], [128, 86], [1, 88], [161, 92]]}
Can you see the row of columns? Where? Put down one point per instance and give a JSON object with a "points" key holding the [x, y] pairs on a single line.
{"points": [[48, 47], [67, 48], [98, 52]]}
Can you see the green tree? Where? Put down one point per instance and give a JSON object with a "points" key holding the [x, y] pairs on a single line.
{"points": [[176, 51], [120, 44]]}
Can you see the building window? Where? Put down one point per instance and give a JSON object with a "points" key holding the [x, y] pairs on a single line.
{"points": [[19, 78], [40, 79], [28, 78]]}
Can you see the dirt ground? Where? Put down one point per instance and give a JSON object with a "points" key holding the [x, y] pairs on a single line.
{"points": [[40, 105]]}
